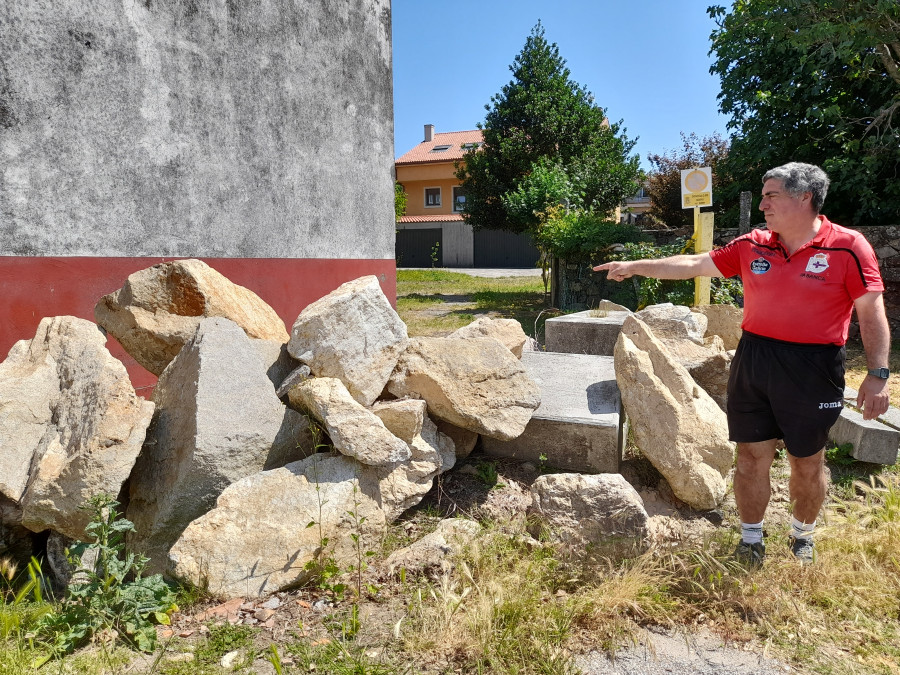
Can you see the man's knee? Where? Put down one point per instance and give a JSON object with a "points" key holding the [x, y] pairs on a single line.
{"points": [[755, 458], [808, 468]]}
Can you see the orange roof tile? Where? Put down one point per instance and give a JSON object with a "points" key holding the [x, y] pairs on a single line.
{"points": [[424, 152], [430, 219]]}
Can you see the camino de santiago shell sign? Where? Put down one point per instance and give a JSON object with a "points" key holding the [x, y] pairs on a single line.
{"points": [[696, 187]]}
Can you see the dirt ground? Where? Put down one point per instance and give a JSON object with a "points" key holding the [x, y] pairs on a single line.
{"points": [[310, 614]]}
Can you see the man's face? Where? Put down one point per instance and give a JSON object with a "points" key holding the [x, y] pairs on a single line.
{"points": [[783, 209]]}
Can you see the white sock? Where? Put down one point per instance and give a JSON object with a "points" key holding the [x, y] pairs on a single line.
{"points": [[752, 533], [802, 530]]}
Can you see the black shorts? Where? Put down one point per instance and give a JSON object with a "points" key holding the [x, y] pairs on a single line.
{"points": [[785, 390]]}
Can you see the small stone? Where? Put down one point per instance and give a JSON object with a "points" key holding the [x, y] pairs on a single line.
{"points": [[263, 614], [272, 603], [185, 657], [228, 660]]}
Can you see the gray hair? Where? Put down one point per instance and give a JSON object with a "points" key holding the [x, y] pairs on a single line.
{"points": [[798, 178]]}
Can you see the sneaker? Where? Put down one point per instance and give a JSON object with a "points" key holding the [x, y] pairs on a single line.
{"points": [[803, 550], [750, 555]]}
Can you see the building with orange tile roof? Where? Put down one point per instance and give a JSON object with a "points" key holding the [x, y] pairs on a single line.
{"points": [[433, 233]]}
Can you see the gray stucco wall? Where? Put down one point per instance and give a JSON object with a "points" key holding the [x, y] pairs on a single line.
{"points": [[207, 128]]}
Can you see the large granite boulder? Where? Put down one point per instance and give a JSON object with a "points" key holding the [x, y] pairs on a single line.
{"points": [[724, 321], [71, 425], [676, 321], [675, 423], [265, 528], [217, 420], [158, 309], [508, 331], [354, 430], [404, 484], [352, 334], [473, 383], [602, 513]]}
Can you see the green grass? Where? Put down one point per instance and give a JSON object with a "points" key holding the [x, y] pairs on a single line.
{"points": [[424, 297]]}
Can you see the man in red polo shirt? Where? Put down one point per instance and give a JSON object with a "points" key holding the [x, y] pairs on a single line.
{"points": [[802, 277]]}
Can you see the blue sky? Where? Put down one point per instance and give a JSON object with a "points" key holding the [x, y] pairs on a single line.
{"points": [[645, 61]]}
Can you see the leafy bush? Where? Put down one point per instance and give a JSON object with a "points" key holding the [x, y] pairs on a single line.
{"points": [[677, 291], [108, 599], [578, 234]]}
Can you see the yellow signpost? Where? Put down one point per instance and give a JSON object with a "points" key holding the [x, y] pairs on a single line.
{"points": [[696, 191]]}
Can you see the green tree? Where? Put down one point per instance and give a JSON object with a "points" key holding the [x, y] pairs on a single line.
{"points": [[545, 141], [815, 81], [399, 201], [665, 180]]}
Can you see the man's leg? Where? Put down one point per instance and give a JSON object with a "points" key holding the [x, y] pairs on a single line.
{"points": [[752, 487], [808, 486]]}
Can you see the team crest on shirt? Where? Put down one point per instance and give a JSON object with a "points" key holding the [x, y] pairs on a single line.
{"points": [[817, 263], [760, 266]]}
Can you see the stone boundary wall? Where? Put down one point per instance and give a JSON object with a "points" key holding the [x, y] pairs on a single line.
{"points": [[576, 287]]}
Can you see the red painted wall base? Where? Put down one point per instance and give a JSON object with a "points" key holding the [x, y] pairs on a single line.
{"points": [[32, 288]]}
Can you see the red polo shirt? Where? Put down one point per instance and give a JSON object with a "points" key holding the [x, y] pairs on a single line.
{"points": [[805, 297]]}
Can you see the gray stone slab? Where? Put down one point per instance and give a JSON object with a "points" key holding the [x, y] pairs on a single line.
{"points": [[589, 332], [872, 441], [578, 426], [891, 418]]}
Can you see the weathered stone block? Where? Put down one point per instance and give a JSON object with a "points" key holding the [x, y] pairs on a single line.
{"points": [[578, 424], [872, 440], [590, 332]]}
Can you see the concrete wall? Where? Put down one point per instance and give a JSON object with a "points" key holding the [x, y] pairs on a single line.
{"points": [[196, 128], [255, 134]]}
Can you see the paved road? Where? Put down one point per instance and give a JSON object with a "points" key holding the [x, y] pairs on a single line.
{"points": [[489, 273]]}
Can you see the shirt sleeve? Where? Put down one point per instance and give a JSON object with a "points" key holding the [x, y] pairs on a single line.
{"points": [[728, 258], [865, 276]]}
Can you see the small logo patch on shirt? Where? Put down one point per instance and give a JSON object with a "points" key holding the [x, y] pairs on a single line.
{"points": [[817, 263], [760, 266]]}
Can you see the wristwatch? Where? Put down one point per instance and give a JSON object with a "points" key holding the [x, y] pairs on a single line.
{"points": [[883, 373]]}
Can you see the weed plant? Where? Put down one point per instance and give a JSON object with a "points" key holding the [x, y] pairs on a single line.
{"points": [[108, 599]]}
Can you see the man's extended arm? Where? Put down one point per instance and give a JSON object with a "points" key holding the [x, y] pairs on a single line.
{"points": [[674, 267], [873, 397]]}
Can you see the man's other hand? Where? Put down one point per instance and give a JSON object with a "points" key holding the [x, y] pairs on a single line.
{"points": [[873, 397]]}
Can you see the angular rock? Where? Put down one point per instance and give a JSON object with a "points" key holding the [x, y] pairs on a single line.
{"points": [[602, 511], [724, 321], [677, 321], [404, 484], [354, 430], [431, 554], [676, 424], [352, 334], [71, 425], [296, 376], [463, 440], [158, 309], [712, 376], [508, 331], [257, 540], [476, 384], [217, 420]]}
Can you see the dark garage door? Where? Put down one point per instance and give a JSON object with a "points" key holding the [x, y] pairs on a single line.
{"points": [[499, 248], [415, 247]]}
